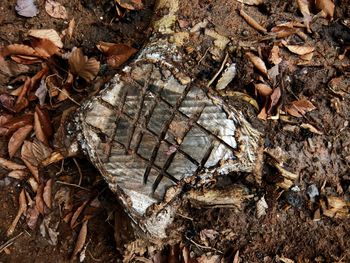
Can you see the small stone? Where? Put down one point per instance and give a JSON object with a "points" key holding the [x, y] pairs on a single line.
{"points": [[312, 192]]}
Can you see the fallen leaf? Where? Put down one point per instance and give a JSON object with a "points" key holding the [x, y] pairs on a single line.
{"points": [[117, 54], [274, 99], [82, 66], [130, 4], [252, 22], [305, 11], [73, 222], [55, 9], [15, 123], [21, 210], [274, 55], [39, 201], [208, 234], [18, 174], [258, 63], [299, 50], [40, 151], [7, 101], [18, 49], [299, 107], [41, 92], [261, 207], [263, 89], [32, 217], [81, 239], [228, 75], [310, 128], [18, 138], [26, 8], [29, 160], [39, 133], [47, 194], [9, 165], [49, 34], [327, 6], [71, 27], [251, 2], [45, 48]]}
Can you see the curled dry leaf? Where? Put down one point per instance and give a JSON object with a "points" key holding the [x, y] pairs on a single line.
{"points": [[49, 34], [45, 48], [39, 201], [252, 22], [18, 49], [274, 99], [117, 54], [18, 138], [29, 159], [311, 128], [71, 27], [39, 133], [55, 9], [299, 50], [40, 150], [327, 6], [258, 63], [130, 4], [15, 123], [9, 165], [82, 66], [81, 239], [21, 210], [73, 222], [26, 8], [299, 107]]}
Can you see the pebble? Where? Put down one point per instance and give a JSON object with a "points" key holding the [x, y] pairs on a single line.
{"points": [[312, 192]]}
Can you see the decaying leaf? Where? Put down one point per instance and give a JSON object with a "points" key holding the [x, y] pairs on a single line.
{"points": [[55, 9], [263, 89], [73, 222], [130, 4], [9, 165], [274, 99], [18, 138], [82, 66], [251, 2], [258, 63], [228, 75], [310, 128], [261, 207], [32, 216], [274, 55], [49, 34], [47, 193], [299, 50], [29, 159], [327, 6], [18, 49], [117, 54], [208, 234], [45, 48], [335, 207], [81, 239], [252, 22], [12, 124], [305, 11], [299, 107], [26, 8], [21, 210], [39, 201], [18, 174]]}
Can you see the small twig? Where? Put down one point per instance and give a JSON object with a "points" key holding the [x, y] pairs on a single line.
{"points": [[204, 247], [218, 73], [9, 242], [186, 217], [73, 185], [79, 170], [205, 53]]}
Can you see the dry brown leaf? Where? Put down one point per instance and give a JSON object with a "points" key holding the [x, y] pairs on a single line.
{"points": [[274, 97], [251, 2], [55, 9], [299, 50], [274, 55], [18, 174], [81, 239], [45, 48], [71, 27], [18, 138], [21, 210], [299, 107], [29, 160], [18, 49], [236, 258], [9, 165], [32, 216], [258, 63], [130, 4], [307, 57], [73, 222], [39, 201], [47, 194], [310, 128], [82, 66], [49, 34], [39, 133], [252, 22], [263, 89], [15, 123], [40, 151], [327, 6], [42, 120], [263, 114], [117, 54], [305, 11]]}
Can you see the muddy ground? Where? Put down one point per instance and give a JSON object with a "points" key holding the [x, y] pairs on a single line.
{"points": [[295, 226]]}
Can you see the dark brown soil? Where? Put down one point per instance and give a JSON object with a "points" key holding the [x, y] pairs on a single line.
{"points": [[288, 229]]}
